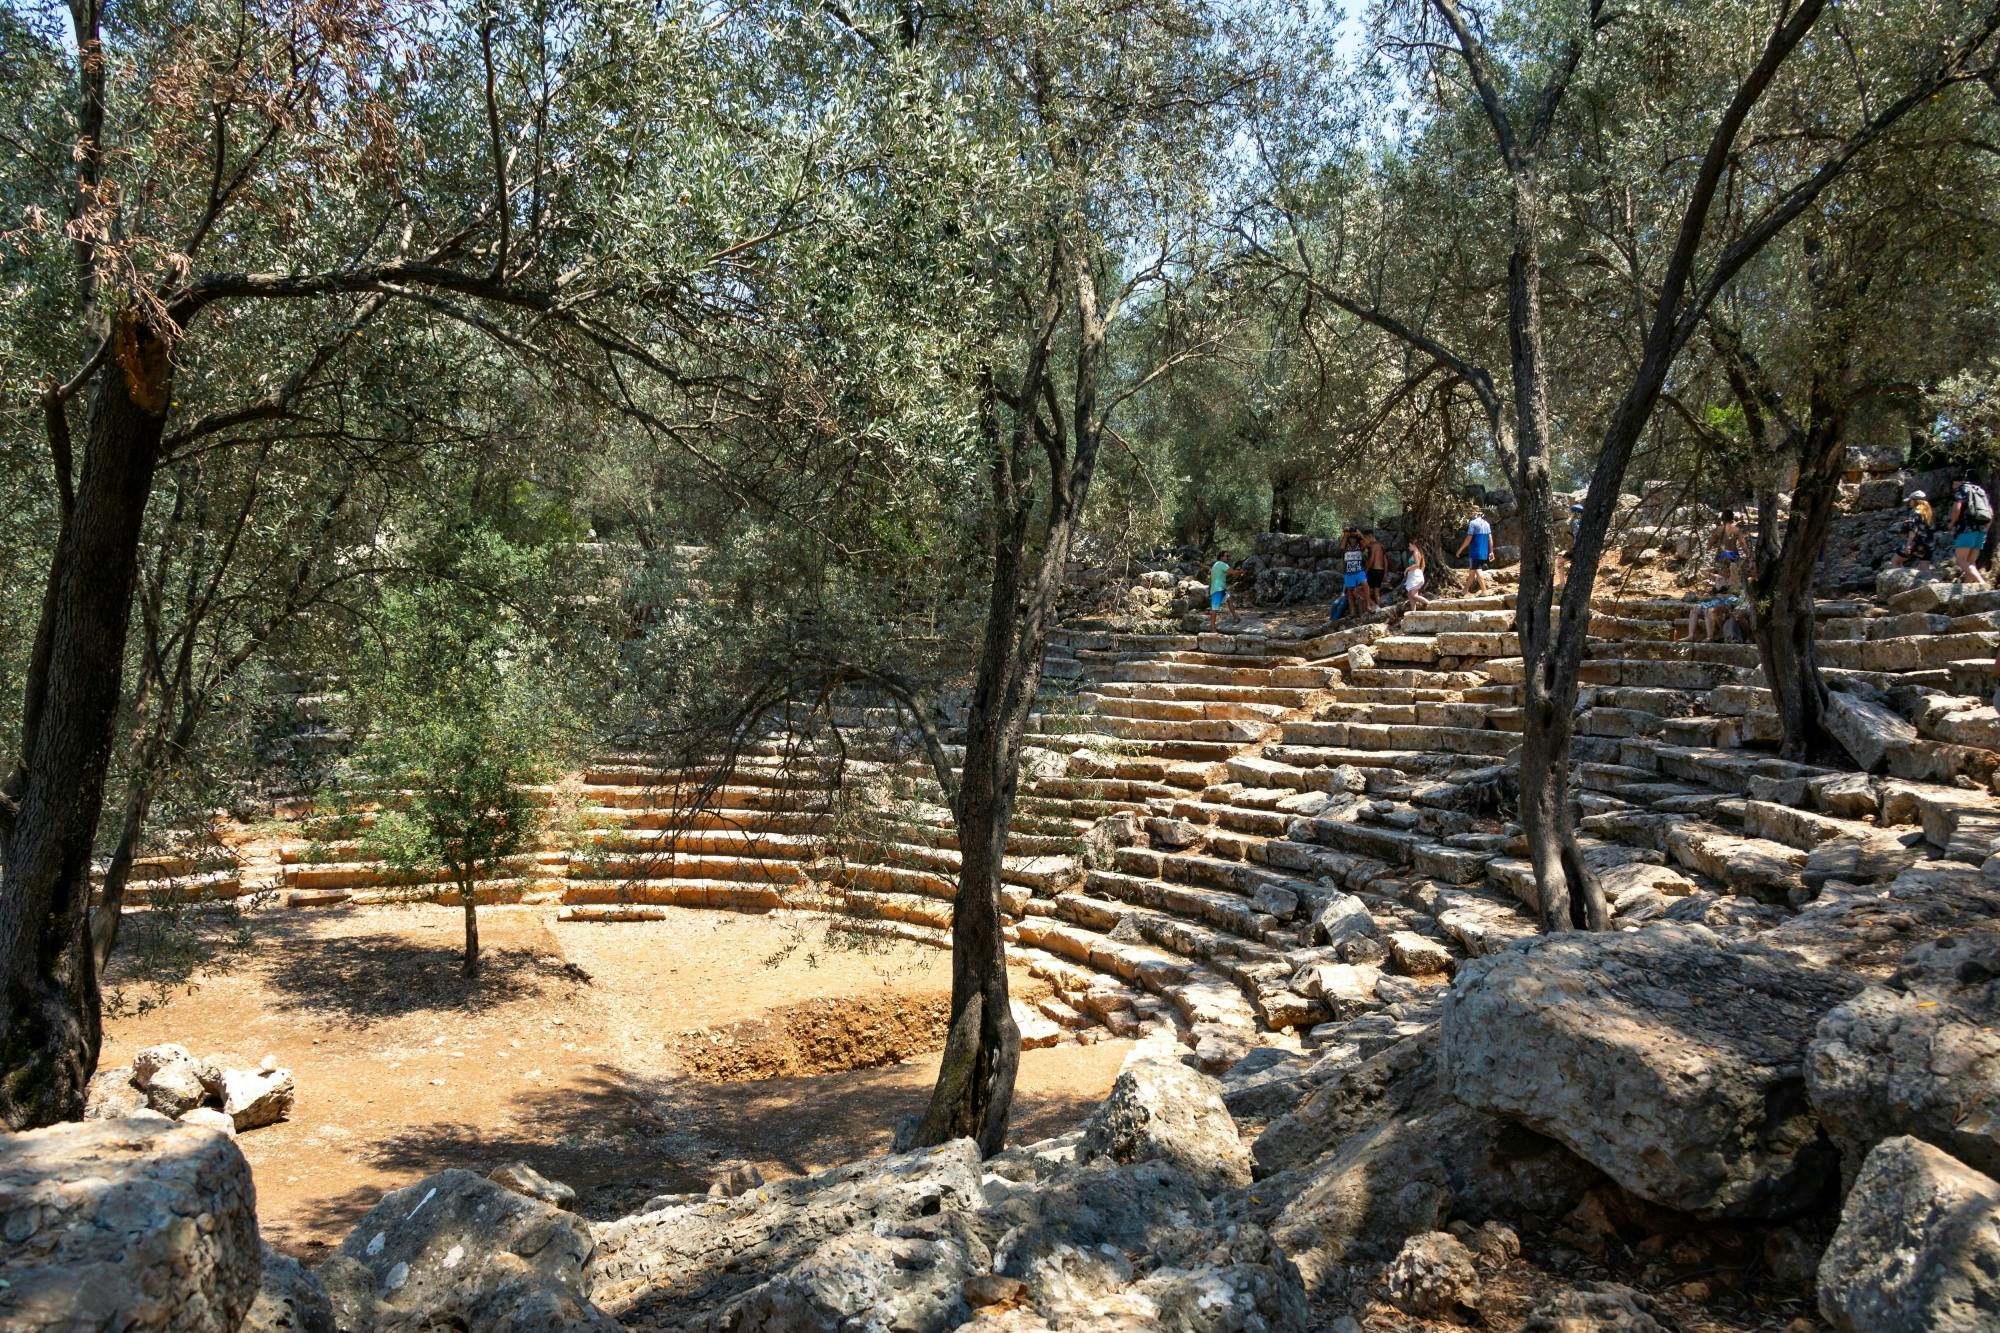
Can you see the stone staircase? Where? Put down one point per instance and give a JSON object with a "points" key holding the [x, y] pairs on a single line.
{"points": [[1241, 836]]}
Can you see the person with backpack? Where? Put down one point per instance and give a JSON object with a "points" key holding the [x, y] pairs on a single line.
{"points": [[1971, 514]]}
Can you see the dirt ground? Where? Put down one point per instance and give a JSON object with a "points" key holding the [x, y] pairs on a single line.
{"points": [[592, 1051]]}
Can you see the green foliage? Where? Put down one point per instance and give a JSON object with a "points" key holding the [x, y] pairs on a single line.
{"points": [[460, 707]]}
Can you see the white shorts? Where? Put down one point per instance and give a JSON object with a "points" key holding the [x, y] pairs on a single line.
{"points": [[1413, 581]]}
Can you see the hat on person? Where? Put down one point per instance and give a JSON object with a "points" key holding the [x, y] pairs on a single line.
{"points": [[1576, 509], [1915, 495]]}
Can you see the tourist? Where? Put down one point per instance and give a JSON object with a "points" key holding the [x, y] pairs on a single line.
{"points": [[1378, 569], [1218, 590], [1477, 548], [1413, 580], [1575, 530], [1729, 549], [1919, 541], [1971, 513], [1707, 617], [1354, 572]]}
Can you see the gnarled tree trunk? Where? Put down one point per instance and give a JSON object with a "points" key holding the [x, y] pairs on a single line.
{"points": [[48, 974]]}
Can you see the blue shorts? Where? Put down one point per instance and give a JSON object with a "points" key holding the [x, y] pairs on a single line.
{"points": [[1216, 599], [1970, 541], [1356, 579]]}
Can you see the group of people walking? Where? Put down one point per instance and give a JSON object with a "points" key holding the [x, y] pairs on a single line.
{"points": [[1966, 523], [1365, 572]]}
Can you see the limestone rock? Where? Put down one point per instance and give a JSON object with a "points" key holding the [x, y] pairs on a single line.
{"points": [[735, 1178], [1161, 1109], [526, 1304], [1344, 917], [151, 1059], [174, 1088], [1432, 1277], [1672, 1062], [112, 1094], [209, 1118], [1597, 1307], [524, 1179], [668, 1266], [289, 1299], [136, 1223], [1867, 731], [1918, 1246], [1918, 1055], [1417, 955], [256, 1097], [430, 1250], [1847, 795]]}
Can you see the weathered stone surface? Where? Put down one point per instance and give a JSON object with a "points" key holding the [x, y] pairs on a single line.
{"points": [[1918, 1246], [1343, 918], [529, 1304], [256, 1097], [112, 1095], [1918, 1055], [1860, 858], [429, 1251], [1417, 955], [674, 1267], [1867, 731], [289, 1299], [1160, 1109], [524, 1179], [146, 1062], [137, 1223], [207, 1117], [1668, 1059], [174, 1088], [1432, 1277], [1847, 795], [1597, 1307]]}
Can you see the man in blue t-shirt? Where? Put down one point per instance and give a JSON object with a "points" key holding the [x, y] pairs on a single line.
{"points": [[1477, 548]]}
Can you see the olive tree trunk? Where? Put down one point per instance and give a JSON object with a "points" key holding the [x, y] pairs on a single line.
{"points": [[48, 972]]}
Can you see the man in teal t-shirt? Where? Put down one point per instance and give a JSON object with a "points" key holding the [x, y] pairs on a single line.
{"points": [[1218, 589]]}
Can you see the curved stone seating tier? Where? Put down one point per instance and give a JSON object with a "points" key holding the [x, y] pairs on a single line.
{"points": [[1235, 835]]}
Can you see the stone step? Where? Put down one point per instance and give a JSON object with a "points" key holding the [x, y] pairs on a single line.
{"points": [[1369, 736]]}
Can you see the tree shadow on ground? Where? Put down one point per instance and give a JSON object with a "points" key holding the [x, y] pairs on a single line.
{"points": [[620, 1139], [366, 978]]}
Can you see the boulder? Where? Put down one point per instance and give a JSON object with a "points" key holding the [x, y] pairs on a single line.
{"points": [[1846, 795], [682, 1265], [1432, 1277], [254, 1098], [1417, 955], [734, 1178], [1868, 732], [429, 1251], [1344, 917], [136, 1223], [1668, 1059], [1918, 1246], [1072, 1243], [1917, 1055], [209, 1118], [1597, 1307], [528, 1304], [112, 1094], [524, 1179], [174, 1088], [289, 1299], [1161, 1109], [151, 1059]]}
